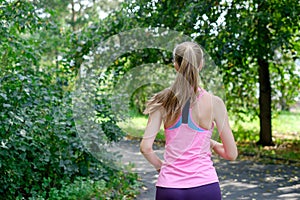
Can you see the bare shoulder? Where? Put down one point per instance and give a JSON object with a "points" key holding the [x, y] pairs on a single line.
{"points": [[218, 103], [212, 101], [217, 100]]}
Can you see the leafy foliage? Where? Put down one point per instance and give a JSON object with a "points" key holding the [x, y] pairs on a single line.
{"points": [[41, 154], [121, 186], [228, 31], [38, 138], [243, 38]]}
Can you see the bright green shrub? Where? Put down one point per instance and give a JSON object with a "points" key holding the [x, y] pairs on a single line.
{"points": [[39, 146]]}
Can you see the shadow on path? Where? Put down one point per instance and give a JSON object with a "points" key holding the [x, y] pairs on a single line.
{"points": [[238, 179]]}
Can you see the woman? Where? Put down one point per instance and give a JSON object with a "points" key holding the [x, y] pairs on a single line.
{"points": [[189, 114]]}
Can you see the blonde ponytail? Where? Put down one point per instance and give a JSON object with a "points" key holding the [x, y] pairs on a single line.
{"points": [[188, 56]]}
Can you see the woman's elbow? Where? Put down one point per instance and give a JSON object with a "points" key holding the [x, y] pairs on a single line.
{"points": [[232, 156], [145, 149]]}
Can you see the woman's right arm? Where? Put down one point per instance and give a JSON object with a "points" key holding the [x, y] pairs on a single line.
{"points": [[227, 149]]}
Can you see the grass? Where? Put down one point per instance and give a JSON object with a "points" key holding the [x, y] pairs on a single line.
{"points": [[135, 127], [285, 132], [285, 126], [286, 136]]}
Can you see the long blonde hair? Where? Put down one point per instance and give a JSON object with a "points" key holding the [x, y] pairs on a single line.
{"points": [[188, 56]]}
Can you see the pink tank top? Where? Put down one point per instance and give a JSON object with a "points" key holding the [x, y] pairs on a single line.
{"points": [[187, 158]]}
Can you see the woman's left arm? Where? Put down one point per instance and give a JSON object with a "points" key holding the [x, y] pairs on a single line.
{"points": [[153, 126]]}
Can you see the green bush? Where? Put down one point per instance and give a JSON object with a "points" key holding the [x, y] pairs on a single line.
{"points": [[40, 152], [120, 186], [39, 146]]}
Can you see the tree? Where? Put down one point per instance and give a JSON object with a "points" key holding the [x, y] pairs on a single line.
{"points": [[262, 28], [241, 36]]}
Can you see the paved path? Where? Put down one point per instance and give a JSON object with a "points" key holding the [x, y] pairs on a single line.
{"points": [[238, 179]]}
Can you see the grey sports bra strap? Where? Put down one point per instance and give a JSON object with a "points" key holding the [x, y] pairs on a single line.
{"points": [[185, 112]]}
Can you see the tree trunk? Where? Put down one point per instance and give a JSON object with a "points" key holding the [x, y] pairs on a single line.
{"points": [[265, 115], [263, 51]]}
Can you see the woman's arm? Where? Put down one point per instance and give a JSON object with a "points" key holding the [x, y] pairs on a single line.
{"points": [[153, 126], [227, 149], [219, 149]]}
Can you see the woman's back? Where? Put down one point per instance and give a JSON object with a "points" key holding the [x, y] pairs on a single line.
{"points": [[202, 112], [197, 117], [187, 158]]}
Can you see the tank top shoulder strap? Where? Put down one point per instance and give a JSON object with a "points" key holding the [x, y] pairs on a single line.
{"points": [[201, 92], [185, 112]]}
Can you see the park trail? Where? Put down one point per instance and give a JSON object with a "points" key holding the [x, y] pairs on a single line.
{"points": [[238, 179]]}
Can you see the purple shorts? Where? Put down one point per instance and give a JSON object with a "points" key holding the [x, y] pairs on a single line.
{"points": [[205, 192]]}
